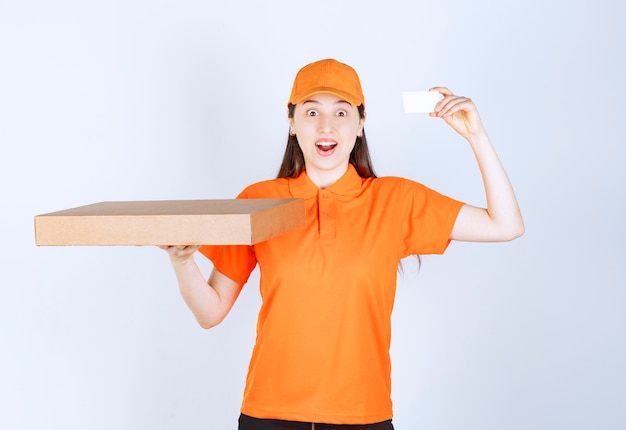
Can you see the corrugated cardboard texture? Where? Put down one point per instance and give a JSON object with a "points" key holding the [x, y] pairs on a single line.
{"points": [[170, 222]]}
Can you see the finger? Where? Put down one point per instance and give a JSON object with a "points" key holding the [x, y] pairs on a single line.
{"points": [[454, 105], [442, 90], [172, 249], [448, 96], [444, 104]]}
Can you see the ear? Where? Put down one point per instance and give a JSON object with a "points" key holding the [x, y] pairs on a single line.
{"points": [[292, 129], [361, 124]]}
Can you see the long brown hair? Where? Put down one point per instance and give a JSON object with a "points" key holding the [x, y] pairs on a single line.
{"points": [[293, 160]]}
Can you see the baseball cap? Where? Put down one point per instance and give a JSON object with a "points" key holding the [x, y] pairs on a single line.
{"points": [[327, 76]]}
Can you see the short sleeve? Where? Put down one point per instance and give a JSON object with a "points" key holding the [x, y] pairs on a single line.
{"points": [[235, 261], [428, 218]]}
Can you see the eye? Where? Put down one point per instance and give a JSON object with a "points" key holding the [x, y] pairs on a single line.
{"points": [[311, 112], [342, 113]]}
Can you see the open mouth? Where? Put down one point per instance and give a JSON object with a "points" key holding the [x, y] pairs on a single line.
{"points": [[325, 148]]}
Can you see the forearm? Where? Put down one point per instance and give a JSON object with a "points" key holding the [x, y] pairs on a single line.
{"points": [[203, 300], [502, 210]]}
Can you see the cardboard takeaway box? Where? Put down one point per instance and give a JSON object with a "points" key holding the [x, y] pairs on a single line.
{"points": [[170, 222]]}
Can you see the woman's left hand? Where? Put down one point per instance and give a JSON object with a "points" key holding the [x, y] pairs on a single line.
{"points": [[459, 112]]}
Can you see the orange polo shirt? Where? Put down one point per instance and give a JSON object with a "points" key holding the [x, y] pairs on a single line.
{"points": [[324, 327]]}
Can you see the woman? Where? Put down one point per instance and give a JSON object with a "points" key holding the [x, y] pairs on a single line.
{"points": [[321, 357]]}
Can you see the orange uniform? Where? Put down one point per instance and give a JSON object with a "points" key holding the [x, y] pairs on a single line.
{"points": [[324, 328]]}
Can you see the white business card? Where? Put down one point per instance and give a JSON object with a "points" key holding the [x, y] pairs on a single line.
{"points": [[420, 101]]}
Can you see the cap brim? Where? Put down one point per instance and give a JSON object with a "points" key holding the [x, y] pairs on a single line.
{"points": [[324, 90]]}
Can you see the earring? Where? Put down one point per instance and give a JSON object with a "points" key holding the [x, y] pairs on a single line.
{"points": [[291, 132]]}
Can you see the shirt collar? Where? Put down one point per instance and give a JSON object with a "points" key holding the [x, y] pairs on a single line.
{"points": [[348, 185]]}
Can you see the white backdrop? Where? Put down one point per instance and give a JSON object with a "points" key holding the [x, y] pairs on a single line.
{"points": [[139, 100]]}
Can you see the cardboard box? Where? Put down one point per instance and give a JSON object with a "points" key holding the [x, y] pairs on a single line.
{"points": [[171, 222]]}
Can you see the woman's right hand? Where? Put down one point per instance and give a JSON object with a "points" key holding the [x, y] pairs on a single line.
{"points": [[179, 253]]}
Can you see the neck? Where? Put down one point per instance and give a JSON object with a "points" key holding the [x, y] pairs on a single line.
{"points": [[325, 178]]}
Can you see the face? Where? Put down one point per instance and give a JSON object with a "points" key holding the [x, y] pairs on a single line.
{"points": [[326, 127]]}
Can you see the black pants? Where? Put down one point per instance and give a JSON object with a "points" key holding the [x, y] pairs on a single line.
{"points": [[249, 423]]}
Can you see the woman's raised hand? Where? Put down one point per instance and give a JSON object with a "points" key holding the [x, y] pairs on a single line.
{"points": [[458, 112]]}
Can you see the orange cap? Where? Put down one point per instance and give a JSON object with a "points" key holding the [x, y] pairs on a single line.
{"points": [[327, 76]]}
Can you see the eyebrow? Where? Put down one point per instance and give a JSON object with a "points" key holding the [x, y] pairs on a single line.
{"points": [[316, 101]]}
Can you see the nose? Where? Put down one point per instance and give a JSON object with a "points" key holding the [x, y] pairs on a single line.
{"points": [[326, 123]]}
